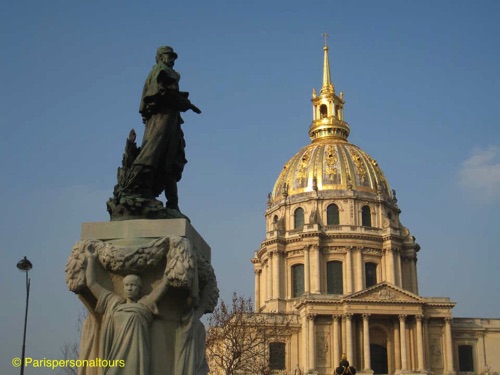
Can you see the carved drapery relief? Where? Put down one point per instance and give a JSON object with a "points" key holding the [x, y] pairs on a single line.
{"points": [[322, 348], [436, 353]]}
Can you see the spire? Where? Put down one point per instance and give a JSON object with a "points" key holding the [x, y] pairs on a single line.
{"points": [[328, 108], [327, 80]]}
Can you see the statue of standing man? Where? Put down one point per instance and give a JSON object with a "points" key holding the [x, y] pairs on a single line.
{"points": [[158, 164]]}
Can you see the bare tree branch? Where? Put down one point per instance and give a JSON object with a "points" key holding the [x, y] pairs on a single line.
{"points": [[238, 338]]}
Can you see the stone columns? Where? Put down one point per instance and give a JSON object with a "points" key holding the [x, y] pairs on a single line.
{"points": [[358, 270], [307, 273], [449, 347], [397, 347], [414, 279], [257, 290], [383, 264], [366, 342], [276, 274], [348, 334], [312, 343], [398, 280], [305, 344], [402, 332], [420, 344], [336, 342], [426, 343], [348, 274], [390, 271], [317, 266], [269, 276]]}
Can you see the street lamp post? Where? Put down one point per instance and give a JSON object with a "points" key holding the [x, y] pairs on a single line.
{"points": [[25, 265]]}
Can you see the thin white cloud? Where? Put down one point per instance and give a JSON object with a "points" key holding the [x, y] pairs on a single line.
{"points": [[480, 174]]}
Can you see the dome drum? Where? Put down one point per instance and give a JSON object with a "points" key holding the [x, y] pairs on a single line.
{"points": [[325, 128]]}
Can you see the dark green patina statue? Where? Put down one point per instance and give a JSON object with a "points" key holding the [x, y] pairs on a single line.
{"points": [[158, 164]]}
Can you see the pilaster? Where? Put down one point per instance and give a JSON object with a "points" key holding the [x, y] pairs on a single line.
{"points": [[349, 274], [307, 270], [312, 345], [336, 340], [257, 289], [449, 370], [348, 333], [420, 344], [316, 280], [276, 274], [402, 340], [366, 344]]}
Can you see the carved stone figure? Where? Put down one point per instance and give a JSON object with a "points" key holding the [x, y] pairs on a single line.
{"points": [[157, 165], [159, 332], [126, 322]]}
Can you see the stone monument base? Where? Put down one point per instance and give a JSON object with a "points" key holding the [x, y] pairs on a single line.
{"points": [[167, 254]]}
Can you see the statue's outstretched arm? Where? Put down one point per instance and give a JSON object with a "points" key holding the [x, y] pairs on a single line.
{"points": [[159, 290], [90, 274]]}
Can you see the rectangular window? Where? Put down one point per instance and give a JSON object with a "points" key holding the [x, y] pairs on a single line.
{"points": [[465, 359], [277, 356], [334, 282], [297, 280], [370, 274]]}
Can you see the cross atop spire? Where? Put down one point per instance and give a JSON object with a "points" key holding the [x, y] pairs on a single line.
{"points": [[328, 108], [326, 37]]}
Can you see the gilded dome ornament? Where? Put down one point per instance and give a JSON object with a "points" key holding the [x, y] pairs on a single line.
{"points": [[330, 162]]}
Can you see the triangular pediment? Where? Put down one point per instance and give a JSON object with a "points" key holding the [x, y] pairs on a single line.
{"points": [[384, 292]]}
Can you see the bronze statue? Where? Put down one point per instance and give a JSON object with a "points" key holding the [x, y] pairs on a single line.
{"points": [[158, 164], [344, 367]]}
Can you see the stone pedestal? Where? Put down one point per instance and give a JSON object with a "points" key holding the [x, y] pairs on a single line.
{"points": [[178, 285], [143, 230]]}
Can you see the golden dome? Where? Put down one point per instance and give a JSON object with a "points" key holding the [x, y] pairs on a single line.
{"points": [[330, 162]]}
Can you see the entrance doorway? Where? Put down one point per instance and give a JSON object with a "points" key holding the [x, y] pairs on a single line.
{"points": [[378, 359]]}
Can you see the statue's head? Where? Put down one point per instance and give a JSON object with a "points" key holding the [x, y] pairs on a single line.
{"points": [[166, 55], [132, 285]]}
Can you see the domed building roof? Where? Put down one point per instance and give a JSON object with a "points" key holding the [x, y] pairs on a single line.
{"points": [[330, 162]]}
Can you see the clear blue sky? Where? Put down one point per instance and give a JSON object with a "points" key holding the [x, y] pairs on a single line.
{"points": [[420, 81]]}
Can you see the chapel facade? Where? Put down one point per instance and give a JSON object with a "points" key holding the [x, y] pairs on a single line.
{"points": [[337, 257]]}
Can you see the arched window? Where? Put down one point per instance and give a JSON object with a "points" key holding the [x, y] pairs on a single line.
{"points": [[332, 215], [298, 218], [334, 284], [366, 217], [465, 358], [370, 274], [323, 111], [297, 280]]}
